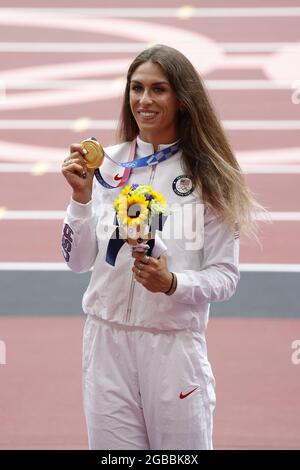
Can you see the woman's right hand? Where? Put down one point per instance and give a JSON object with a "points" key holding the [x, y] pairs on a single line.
{"points": [[79, 177]]}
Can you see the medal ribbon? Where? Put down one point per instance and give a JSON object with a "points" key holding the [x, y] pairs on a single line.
{"points": [[149, 160]]}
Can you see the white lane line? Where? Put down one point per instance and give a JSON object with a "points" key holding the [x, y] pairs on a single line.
{"points": [[280, 216], [80, 47], [244, 267], [27, 84], [132, 47], [261, 125], [28, 168], [31, 215], [109, 124], [256, 47], [267, 169], [181, 12], [270, 267], [15, 266], [31, 84], [6, 214], [50, 124], [251, 84]]}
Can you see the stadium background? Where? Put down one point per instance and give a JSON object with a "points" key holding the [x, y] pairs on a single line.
{"points": [[62, 69]]}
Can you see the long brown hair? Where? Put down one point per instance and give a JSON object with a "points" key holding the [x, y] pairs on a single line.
{"points": [[207, 157]]}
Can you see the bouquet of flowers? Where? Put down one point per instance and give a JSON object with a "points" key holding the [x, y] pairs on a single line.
{"points": [[136, 207], [140, 211]]}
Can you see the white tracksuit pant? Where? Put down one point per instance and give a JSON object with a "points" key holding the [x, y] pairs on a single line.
{"points": [[145, 388]]}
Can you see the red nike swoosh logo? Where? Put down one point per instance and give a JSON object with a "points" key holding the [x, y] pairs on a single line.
{"points": [[117, 177], [184, 395]]}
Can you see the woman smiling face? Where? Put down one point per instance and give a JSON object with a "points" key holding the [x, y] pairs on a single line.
{"points": [[154, 104]]}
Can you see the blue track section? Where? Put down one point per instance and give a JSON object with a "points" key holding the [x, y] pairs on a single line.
{"points": [[59, 293]]}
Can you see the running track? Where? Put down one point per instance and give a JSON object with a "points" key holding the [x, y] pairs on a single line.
{"points": [[61, 81]]}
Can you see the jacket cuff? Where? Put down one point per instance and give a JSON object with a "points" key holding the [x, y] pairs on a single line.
{"points": [[181, 291], [80, 211]]}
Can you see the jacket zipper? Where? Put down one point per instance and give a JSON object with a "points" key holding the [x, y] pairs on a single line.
{"points": [[153, 170], [130, 299], [133, 282]]}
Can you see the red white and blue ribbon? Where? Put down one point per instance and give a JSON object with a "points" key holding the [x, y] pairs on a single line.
{"points": [[149, 160]]}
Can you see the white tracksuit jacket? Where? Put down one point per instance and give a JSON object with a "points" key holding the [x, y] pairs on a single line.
{"points": [[201, 250], [147, 381]]}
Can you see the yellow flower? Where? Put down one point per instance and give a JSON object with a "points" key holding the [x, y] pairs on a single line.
{"points": [[132, 210], [119, 201], [126, 190], [159, 197]]}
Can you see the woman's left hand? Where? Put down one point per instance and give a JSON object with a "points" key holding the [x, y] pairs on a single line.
{"points": [[152, 273]]}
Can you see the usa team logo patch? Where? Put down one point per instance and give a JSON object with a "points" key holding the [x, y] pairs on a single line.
{"points": [[182, 186]]}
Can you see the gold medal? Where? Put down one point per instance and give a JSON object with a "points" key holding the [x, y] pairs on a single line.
{"points": [[95, 153]]}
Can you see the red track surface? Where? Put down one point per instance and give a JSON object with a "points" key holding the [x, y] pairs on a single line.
{"points": [[40, 241], [26, 192], [257, 384]]}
